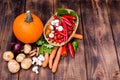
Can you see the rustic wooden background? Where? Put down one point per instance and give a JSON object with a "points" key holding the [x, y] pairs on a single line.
{"points": [[98, 54]]}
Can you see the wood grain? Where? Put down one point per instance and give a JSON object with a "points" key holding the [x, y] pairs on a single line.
{"points": [[71, 69], [99, 45], [43, 9], [114, 15], [98, 54], [9, 9]]}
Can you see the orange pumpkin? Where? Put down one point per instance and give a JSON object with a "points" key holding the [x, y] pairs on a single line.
{"points": [[27, 27]]}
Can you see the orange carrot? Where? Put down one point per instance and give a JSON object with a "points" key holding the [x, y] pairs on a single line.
{"points": [[57, 59], [78, 36], [45, 62], [52, 55]]}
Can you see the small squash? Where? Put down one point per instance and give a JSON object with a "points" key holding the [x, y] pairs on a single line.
{"points": [[27, 27]]}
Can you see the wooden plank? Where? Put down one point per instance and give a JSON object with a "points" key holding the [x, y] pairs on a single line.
{"points": [[71, 69], [114, 15], [9, 9], [43, 9], [99, 45]]}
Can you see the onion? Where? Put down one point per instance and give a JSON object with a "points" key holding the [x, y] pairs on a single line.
{"points": [[16, 46]]}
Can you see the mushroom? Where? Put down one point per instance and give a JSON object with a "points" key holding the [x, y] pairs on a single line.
{"points": [[39, 63], [20, 57], [35, 69], [27, 48], [34, 60], [26, 63], [8, 55], [41, 58], [13, 66]]}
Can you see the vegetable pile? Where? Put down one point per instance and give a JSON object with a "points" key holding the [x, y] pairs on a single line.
{"points": [[31, 54], [61, 27]]}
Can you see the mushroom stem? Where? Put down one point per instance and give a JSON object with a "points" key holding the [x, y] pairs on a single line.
{"points": [[28, 17]]}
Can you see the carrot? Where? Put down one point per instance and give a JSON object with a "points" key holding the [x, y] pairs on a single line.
{"points": [[45, 62], [57, 59], [52, 55], [78, 36]]}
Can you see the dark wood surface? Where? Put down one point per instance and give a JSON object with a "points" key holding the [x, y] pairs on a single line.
{"points": [[98, 54]]}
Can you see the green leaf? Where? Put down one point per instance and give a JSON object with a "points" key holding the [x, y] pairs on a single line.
{"points": [[73, 13], [41, 50], [48, 50], [48, 45], [41, 41], [45, 48], [61, 11]]}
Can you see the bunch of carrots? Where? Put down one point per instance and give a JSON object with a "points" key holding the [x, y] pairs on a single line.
{"points": [[53, 59]]}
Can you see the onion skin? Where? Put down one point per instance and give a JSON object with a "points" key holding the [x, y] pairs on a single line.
{"points": [[16, 46]]}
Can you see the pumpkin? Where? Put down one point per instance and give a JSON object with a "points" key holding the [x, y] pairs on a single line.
{"points": [[27, 27]]}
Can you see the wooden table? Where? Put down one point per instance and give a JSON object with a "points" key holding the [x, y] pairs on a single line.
{"points": [[98, 54]]}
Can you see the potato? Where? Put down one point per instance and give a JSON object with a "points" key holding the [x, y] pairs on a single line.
{"points": [[20, 57], [8, 55], [26, 63], [13, 66], [27, 48]]}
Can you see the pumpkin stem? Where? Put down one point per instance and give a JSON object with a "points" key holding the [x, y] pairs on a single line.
{"points": [[28, 17]]}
